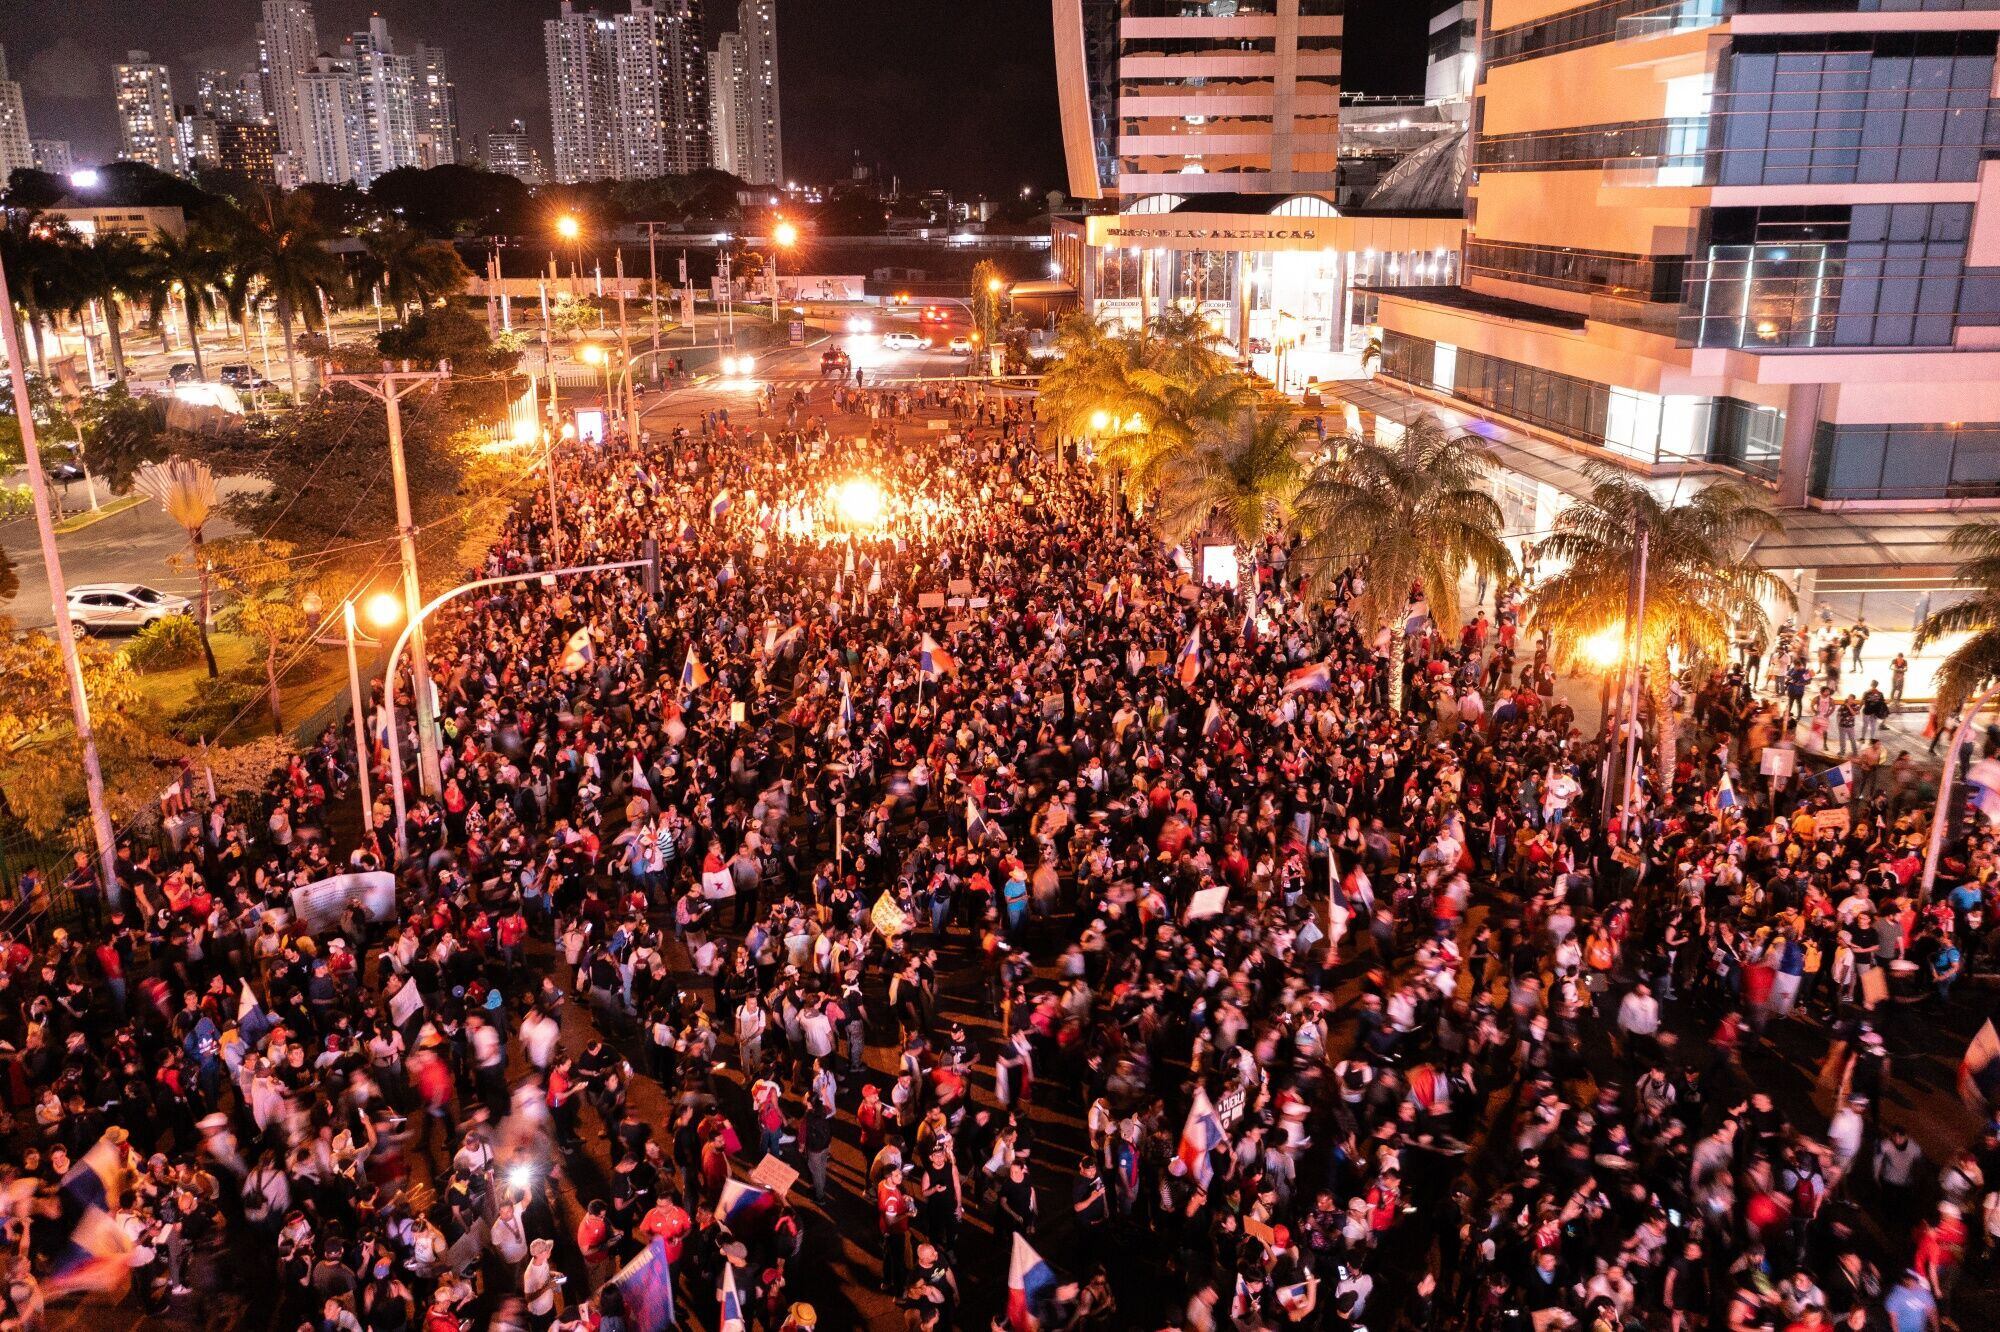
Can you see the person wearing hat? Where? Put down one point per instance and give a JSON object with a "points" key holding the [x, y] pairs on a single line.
{"points": [[801, 1318]]}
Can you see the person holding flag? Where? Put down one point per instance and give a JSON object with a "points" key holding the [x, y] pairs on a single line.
{"points": [[1188, 670]]}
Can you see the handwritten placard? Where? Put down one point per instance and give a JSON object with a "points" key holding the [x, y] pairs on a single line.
{"points": [[930, 601]]}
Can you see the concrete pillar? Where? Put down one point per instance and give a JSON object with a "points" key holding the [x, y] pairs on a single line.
{"points": [[1795, 455]]}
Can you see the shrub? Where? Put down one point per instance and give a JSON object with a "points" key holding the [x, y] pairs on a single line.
{"points": [[216, 703], [166, 644], [15, 500]]}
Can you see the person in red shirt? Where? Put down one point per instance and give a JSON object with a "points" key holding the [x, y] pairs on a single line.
{"points": [[669, 1222], [593, 1240], [892, 1216]]}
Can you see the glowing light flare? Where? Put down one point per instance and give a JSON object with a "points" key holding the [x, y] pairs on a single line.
{"points": [[383, 609], [859, 503], [1605, 648], [568, 227]]}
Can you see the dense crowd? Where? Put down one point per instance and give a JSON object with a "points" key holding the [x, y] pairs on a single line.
{"points": [[1098, 947]]}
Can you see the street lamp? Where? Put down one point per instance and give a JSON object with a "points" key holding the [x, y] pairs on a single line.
{"points": [[571, 229], [783, 237], [383, 610]]}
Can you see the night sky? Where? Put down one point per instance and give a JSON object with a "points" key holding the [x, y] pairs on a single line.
{"points": [[951, 93]]}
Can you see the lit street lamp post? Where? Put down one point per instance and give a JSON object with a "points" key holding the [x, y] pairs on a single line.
{"points": [[783, 237], [419, 685], [383, 609]]}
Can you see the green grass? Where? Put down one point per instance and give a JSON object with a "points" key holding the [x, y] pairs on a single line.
{"points": [[170, 691], [76, 522]]}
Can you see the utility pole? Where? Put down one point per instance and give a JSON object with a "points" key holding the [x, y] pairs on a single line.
{"points": [[390, 387], [1635, 667], [631, 403], [360, 719], [79, 701]]}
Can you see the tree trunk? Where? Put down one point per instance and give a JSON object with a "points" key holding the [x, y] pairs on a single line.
{"points": [[41, 342], [194, 339], [112, 316], [291, 356], [201, 622], [271, 683], [1396, 654], [89, 481]]}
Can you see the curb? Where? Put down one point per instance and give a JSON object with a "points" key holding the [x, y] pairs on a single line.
{"points": [[78, 522]]}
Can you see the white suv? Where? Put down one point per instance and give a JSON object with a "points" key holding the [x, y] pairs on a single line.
{"points": [[95, 606], [904, 341]]}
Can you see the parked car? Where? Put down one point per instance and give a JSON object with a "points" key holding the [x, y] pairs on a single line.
{"points": [[243, 377], [903, 341], [182, 372], [129, 606]]}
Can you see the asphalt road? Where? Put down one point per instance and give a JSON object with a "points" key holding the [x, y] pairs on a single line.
{"points": [[128, 547]]}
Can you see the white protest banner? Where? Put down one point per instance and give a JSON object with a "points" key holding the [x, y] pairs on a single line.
{"points": [[404, 1002], [1777, 762], [321, 904], [1208, 902]]}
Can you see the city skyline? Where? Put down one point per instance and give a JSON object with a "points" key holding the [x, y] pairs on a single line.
{"points": [[910, 67]]}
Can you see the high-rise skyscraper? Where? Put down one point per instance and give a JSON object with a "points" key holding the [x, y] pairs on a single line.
{"points": [[437, 107], [627, 94], [248, 150], [761, 151], [146, 128], [583, 100], [639, 129], [684, 86], [385, 90], [17, 151], [288, 46], [200, 147], [511, 152], [333, 146], [725, 104], [227, 94], [53, 156]]}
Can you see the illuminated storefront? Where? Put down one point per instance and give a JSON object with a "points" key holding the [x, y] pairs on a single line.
{"points": [[1284, 279]]}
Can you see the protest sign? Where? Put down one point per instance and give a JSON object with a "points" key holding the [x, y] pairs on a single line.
{"points": [[321, 904]]}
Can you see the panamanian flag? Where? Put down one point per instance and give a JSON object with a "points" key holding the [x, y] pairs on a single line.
{"points": [[933, 660], [1725, 794], [1250, 616], [1189, 668], [1984, 779], [1030, 1285], [718, 506], [1309, 679], [1979, 1071], [694, 675], [745, 1207], [579, 652], [846, 703], [93, 1253], [732, 1302], [1201, 1135]]}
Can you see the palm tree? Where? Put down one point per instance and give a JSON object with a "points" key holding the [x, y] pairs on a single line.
{"points": [[193, 264], [1417, 512], [1240, 480], [1976, 661], [107, 270], [1144, 395], [410, 270], [282, 243], [1701, 585], [32, 254], [185, 488]]}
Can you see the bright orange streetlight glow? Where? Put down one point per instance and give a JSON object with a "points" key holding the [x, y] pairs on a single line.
{"points": [[994, 285], [785, 234], [590, 354], [568, 227], [383, 609]]}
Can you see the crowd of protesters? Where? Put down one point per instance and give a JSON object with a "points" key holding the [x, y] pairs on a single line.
{"points": [[918, 821]]}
